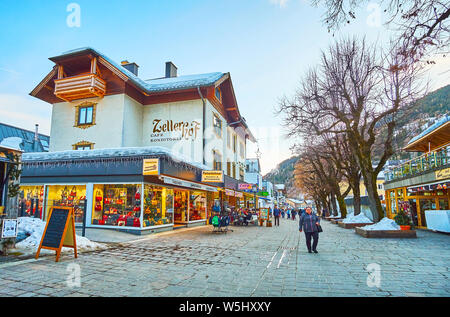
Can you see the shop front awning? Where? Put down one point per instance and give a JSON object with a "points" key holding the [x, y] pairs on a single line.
{"points": [[180, 182], [429, 187]]}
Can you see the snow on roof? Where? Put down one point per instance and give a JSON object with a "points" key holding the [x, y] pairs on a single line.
{"points": [[110, 153], [12, 143], [159, 84], [430, 129], [182, 82]]}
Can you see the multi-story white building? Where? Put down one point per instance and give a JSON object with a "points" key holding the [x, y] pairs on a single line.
{"points": [[253, 172], [107, 123]]}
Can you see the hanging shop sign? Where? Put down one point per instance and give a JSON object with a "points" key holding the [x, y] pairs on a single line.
{"points": [[229, 192], [245, 186], [183, 183], [9, 228], [238, 194], [263, 194], [150, 167], [212, 176], [59, 231], [443, 174]]}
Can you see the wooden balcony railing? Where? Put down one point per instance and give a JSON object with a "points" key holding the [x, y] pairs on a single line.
{"points": [[439, 158], [80, 87]]}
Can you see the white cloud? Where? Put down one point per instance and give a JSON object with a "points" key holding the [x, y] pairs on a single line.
{"points": [[280, 3], [439, 73], [24, 112]]}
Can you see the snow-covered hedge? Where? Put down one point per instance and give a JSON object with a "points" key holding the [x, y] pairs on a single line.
{"points": [[31, 230]]}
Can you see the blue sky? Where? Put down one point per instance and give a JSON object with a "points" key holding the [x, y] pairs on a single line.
{"points": [[266, 45]]}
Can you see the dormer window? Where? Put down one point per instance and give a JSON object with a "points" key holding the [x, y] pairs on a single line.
{"points": [[218, 94]]}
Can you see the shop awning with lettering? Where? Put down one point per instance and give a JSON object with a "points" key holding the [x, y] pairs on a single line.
{"points": [[429, 187], [184, 183]]}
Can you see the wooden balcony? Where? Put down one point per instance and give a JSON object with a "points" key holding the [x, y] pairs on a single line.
{"points": [[80, 87]]}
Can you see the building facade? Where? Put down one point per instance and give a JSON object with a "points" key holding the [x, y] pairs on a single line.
{"points": [[132, 153], [421, 185]]}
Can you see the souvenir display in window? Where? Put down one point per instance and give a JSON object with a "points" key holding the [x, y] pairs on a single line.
{"points": [[121, 206]]}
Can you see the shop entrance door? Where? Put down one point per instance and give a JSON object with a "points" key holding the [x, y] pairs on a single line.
{"points": [[181, 208], [426, 204], [413, 210]]}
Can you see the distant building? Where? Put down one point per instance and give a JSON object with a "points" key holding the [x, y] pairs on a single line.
{"points": [[23, 140], [253, 172], [421, 185]]}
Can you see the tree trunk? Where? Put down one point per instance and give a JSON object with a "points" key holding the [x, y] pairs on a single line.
{"points": [[333, 204], [356, 199], [342, 206], [370, 181]]}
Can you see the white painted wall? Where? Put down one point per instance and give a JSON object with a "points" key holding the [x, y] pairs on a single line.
{"points": [[132, 123], [121, 121], [106, 133], [190, 113]]}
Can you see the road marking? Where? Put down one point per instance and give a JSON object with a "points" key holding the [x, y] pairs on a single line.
{"points": [[282, 256], [271, 260]]}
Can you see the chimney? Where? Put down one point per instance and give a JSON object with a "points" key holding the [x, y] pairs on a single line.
{"points": [[36, 138], [132, 67], [36, 133], [171, 70]]}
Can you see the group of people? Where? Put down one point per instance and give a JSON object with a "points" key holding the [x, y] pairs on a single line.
{"points": [[309, 223]]}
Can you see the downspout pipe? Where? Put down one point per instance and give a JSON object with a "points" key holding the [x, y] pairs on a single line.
{"points": [[203, 125]]}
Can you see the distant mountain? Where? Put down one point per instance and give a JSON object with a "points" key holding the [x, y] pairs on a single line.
{"points": [[284, 174], [424, 113]]}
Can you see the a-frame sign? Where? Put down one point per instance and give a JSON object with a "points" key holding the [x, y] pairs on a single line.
{"points": [[59, 231]]}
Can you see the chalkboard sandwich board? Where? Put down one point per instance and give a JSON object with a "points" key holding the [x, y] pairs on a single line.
{"points": [[59, 231]]}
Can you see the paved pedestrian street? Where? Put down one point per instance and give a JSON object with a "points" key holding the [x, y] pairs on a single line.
{"points": [[250, 261]]}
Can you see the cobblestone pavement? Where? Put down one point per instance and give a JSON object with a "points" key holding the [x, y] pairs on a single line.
{"points": [[251, 261]]}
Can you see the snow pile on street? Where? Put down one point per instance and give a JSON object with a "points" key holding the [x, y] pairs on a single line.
{"points": [[33, 228], [361, 218], [383, 224]]}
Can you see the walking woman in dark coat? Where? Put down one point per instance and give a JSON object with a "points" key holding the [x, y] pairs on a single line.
{"points": [[308, 223]]}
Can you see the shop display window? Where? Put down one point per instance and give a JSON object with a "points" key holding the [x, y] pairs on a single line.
{"points": [[443, 204], [67, 196], [31, 197], [393, 202], [117, 205], [197, 205], [158, 206], [181, 206]]}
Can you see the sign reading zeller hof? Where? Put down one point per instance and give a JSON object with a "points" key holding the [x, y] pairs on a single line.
{"points": [[170, 130]]}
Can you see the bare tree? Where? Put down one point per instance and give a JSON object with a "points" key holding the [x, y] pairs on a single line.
{"points": [[357, 92], [420, 24]]}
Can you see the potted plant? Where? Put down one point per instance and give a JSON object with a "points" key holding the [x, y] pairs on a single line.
{"points": [[403, 220]]}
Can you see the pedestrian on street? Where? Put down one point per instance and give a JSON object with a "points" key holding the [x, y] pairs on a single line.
{"points": [[309, 223], [276, 215], [288, 214], [282, 213], [294, 213]]}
